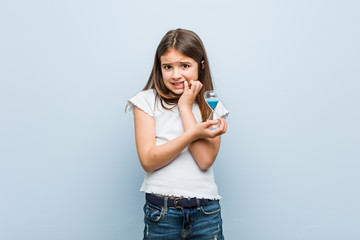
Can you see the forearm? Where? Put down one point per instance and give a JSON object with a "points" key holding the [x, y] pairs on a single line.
{"points": [[204, 150], [159, 156]]}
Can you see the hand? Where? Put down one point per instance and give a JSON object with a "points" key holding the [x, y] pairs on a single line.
{"points": [[202, 130], [191, 90]]}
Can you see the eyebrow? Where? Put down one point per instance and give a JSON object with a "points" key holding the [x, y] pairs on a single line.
{"points": [[188, 63]]}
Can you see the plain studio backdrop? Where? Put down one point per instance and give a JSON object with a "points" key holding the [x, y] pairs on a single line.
{"points": [[288, 71]]}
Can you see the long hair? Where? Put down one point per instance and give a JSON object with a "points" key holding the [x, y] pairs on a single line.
{"points": [[189, 44]]}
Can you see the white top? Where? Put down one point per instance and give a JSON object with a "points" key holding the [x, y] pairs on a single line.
{"points": [[182, 177]]}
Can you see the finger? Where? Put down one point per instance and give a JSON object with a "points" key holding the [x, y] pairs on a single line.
{"points": [[222, 122], [209, 123], [186, 86], [216, 132], [192, 85], [225, 126], [198, 86], [221, 127]]}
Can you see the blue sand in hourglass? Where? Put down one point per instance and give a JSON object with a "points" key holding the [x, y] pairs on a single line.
{"points": [[212, 102]]}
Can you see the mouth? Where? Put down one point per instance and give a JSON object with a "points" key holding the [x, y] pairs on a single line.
{"points": [[178, 85]]}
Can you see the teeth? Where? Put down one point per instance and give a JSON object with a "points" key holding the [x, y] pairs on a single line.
{"points": [[177, 83]]}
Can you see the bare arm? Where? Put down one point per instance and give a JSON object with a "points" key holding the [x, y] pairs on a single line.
{"points": [[204, 150], [153, 157]]}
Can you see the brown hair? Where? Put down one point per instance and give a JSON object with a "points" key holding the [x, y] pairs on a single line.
{"points": [[189, 44]]}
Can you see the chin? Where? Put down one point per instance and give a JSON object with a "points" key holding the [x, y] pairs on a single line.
{"points": [[177, 91]]}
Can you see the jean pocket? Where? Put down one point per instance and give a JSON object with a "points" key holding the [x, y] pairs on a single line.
{"points": [[152, 212], [211, 208]]}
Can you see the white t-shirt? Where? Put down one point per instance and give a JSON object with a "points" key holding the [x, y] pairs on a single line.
{"points": [[182, 177]]}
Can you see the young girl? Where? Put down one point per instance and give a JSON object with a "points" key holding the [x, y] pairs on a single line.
{"points": [[175, 143]]}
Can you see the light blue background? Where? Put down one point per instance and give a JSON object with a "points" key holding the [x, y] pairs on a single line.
{"points": [[288, 168]]}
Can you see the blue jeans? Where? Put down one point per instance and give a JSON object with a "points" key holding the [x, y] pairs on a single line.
{"points": [[169, 223]]}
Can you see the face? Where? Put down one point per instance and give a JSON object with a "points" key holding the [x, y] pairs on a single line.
{"points": [[177, 68]]}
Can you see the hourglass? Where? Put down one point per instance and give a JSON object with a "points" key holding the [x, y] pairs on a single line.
{"points": [[212, 100]]}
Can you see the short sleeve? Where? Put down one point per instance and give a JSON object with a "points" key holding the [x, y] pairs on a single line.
{"points": [[144, 100]]}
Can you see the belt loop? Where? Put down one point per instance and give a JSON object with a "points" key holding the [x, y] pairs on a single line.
{"points": [[198, 203], [165, 204]]}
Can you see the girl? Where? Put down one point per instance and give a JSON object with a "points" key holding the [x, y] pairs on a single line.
{"points": [[175, 143]]}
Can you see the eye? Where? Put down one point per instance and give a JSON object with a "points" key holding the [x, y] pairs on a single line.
{"points": [[185, 66], [167, 67]]}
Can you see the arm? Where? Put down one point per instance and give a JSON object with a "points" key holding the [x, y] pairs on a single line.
{"points": [[204, 150], [153, 157]]}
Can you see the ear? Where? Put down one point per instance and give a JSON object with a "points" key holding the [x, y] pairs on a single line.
{"points": [[202, 64]]}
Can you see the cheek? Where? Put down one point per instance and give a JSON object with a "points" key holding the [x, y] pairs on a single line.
{"points": [[166, 76], [193, 75]]}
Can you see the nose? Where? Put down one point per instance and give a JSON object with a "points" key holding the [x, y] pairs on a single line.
{"points": [[176, 73]]}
